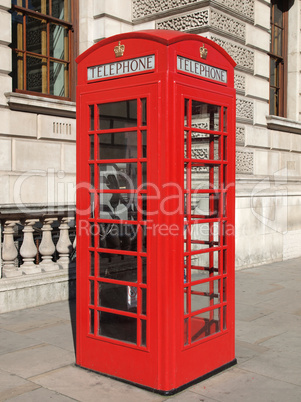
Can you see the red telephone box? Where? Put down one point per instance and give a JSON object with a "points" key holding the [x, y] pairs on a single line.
{"points": [[155, 209]]}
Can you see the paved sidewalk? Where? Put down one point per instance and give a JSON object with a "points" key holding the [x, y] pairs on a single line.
{"points": [[37, 350]]}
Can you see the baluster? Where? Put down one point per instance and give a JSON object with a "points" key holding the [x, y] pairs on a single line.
{"points": [[9, 251], [64, 244], [28, 249], [47, 247]]}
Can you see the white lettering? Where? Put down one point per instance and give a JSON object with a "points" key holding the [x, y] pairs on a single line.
{"points": [[203, 70], [132, 66]]}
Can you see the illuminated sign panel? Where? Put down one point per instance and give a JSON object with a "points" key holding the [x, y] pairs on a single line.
{"points": [[123, 67], [201, 70]]}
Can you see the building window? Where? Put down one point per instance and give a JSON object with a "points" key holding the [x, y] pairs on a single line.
{"points": [[278, 57], [44, 47]]}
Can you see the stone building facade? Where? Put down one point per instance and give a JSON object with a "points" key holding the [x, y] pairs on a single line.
{"points": [[37, 138]]}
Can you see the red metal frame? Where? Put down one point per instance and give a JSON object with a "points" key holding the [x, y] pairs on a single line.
{"points": [[168, 343]]}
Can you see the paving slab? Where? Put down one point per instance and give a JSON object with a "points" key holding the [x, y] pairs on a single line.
{"points": [[41, 395], [87, 386], [238, 385], [11, 385], [11, 341], [35, 360]]}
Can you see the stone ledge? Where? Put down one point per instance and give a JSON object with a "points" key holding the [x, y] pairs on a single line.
{"points": [[35, 290], [283, 124], [40, 105]]}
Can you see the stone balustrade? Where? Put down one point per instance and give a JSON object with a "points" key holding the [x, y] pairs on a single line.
{"points": [[36, 245]]}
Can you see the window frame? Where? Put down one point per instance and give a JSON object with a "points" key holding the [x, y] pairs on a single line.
{"points": [[280, 91], [73, 51]]}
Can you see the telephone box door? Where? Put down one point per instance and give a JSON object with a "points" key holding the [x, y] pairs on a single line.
{"points": [[116, 304]]}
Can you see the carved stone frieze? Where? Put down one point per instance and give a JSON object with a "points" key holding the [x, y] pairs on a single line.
{"points": [[185, 22], [244, 109], [227, 24], [240, 135], [240, 82], [146, 8], [242, 56], [244, 162]]}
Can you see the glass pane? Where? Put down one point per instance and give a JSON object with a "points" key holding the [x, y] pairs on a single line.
{"points": [[17, 73], [91, 125], [58, 42], [274, 101], [225, 292], [205, 324], [117, 297], [20, 3], [277, 44], [117, 145], [186, 323], [186, 112], [144, 304], [36, 35], [35, 74], [92, 263], [118, 237], [119, 206], [92, 176], [204, 265], [91, 146], [274, 73], [117, 327], [204, 176], [91, 292], [205, 116], [144, 270], [92, 205], [204, 235], [17, 30], [117, 115], [278, 13], [59, 79], [40, 6], [118, 176], [92, 235], [204, 295], [118, 266], [91, 321], [205, 205], [186, 296], [144, 144], [143, 332], [224, 317], [144, 112], [225, 119], [61, 9], [205, 146]]}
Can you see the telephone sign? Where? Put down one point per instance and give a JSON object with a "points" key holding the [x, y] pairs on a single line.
{"points": [[155, 209]]}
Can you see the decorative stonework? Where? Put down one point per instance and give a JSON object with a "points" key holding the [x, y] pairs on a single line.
{"points": [[146, 8], [186, 22], [240, 135], [244, 162], [240, 82], [242, 56], [227, 24], [244, 109]]}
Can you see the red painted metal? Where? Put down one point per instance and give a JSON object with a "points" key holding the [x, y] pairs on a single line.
{"points": [[155, 305]]}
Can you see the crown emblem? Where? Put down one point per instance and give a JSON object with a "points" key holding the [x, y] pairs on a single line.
{"points": [[203, 52], [119, 50]]}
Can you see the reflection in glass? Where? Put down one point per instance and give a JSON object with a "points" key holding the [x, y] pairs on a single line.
{"points": [[205, 205], [118, 266], [204, 295], [225, 119], [117, 297], [117, 327], [34, 79], [186, 106], [205, 146], [58, 38], [91, 331], [143, 332], [36, 34], [61, 9], [118, 176], [58, 79], [92, 175], [205, 116], [117, 145], [204, 265], [144, 143], [118, 236], [204, 235], [92, 264], [144, 112], [91, 292], [144, 270], [205, 324], [204, 176], [117, 115], [91, 146]]}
